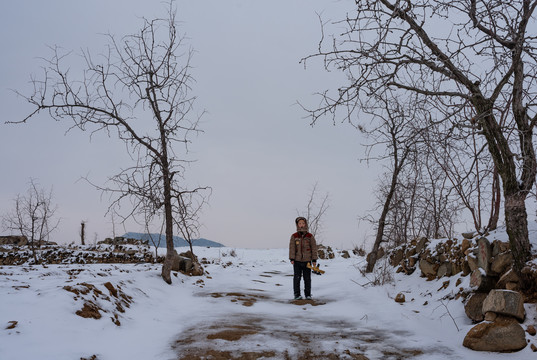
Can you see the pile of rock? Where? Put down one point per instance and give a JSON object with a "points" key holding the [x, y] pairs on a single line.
{"points": [[489, 264], [500, 312], [13, 240], [325, 252], [120, 240], [16, 240], [493, 303], [187, 263]]}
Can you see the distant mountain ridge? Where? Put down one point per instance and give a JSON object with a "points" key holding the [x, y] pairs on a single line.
{"points": [[160, 240]]}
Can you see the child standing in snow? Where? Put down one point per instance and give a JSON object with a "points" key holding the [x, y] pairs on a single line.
{"points": [[302, 250]]}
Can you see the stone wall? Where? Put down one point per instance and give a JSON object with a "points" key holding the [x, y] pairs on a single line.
{"points": [[78, 254], [494, 302]]}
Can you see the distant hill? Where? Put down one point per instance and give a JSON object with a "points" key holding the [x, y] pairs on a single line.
{"points": [[160, 240]]}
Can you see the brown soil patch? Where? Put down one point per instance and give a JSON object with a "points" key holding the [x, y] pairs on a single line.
{"points": [[312, 302], [90, 310], [12, 324], [245, 299], [228, 355], [236, 332]]}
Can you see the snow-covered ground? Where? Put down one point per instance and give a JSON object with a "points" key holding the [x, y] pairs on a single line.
{"points": [[243, 305]]}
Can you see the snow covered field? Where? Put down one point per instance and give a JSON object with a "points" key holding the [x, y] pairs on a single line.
{"points": [[240, 309]]}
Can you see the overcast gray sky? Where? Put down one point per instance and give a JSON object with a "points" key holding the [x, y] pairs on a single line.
{"points": [[257, 152]]}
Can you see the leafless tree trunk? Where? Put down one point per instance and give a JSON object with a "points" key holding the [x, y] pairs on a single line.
{"points": [[142, 82], [33, 216], [82, 233], [457, 55]]}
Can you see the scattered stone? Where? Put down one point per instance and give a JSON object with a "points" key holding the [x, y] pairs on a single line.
{"points": [[345, 254], [505, 302], [472, 262], [466, 268], [512, 286], [444, 270], [490, 316], [531, 330], [499, 247], [533, 348], [427, 268], [196, 270], [509, 277], [400, 298], [501, 262], [474, 307], [397, 257], [469, 235], [503, 335], [325, 252], [481, 282], [421, 243], [465, 245]]}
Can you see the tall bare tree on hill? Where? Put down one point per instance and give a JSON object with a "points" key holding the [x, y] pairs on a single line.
{"points": [[460, 56], [139, 90]]}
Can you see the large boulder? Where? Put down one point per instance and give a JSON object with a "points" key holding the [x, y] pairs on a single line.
{"points": [[505, 302], [503, 335], [474, 306]]}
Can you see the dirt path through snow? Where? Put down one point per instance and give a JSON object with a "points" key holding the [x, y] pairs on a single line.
{"points": [[256, 322]]}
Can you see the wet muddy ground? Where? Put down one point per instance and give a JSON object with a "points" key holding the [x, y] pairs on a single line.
{"points": [[245, 333]]}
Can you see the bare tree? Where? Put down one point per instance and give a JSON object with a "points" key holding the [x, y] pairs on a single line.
{"points": [[33, 216], [139, 90], [315, 210], [461, 154], [187, 221], [459, 56], [395, 132]]}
